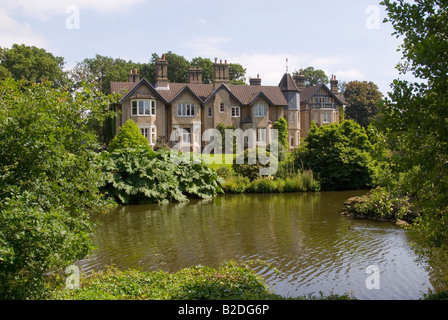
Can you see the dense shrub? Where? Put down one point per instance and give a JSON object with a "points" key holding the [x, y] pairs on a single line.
{"points": [[49, 182], [137, 176], [129, 136], [224, 172], [242, 166], [263, 185], [236, 184], [228, 281], [339, 155]]}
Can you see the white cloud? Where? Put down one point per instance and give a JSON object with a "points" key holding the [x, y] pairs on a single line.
{"points": [[12, 31], [350, 75], [208, 47], [42, 9]]}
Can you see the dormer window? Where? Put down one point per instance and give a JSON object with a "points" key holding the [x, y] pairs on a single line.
{"points": [[143, 107]]}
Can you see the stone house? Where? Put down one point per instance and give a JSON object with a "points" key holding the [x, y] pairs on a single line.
{"points": [[162, 107]]}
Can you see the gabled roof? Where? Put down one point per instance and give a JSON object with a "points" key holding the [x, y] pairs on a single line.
{"points": [[247, 94], [128, 89], [243, 94], [287, 83], [307, 93]]}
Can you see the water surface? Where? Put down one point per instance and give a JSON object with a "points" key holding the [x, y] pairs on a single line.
{"points": [[301, 234]]}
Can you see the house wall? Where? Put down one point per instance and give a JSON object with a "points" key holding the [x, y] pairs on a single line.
{"points": [[159, 120]]}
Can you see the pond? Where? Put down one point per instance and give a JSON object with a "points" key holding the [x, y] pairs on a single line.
{"points": [[302, 235]]}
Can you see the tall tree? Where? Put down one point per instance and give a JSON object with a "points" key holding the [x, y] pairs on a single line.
{"points": [[237, 74], [415, 114], [177, 68], [363, 100], [339, 154], [101, 70], [49, 182], [313, 76], [33, 64]]}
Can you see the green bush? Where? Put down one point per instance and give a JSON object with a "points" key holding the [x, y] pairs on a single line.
{"points": [[49, 182], [229, 281], [129, 136], [137, 176], [251, 171], [236, 184], [224, 172], [339, 155], [263, 185], [380, 203]]}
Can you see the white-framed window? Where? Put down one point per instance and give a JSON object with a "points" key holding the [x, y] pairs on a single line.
{"points": [[292, 116], [150, 133], [143, 107], [235, 112], [209, 112], [185, 110], [261, 135], [222, 107], [153, 135], [326, 117], [260, 110], [186, 135]]}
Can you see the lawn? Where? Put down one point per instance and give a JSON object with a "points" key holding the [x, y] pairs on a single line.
{"points": [[216, 161]]}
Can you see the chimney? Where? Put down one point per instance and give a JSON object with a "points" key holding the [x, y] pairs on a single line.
{"points": [[195, 75], [220, 73], [136, 76], [300, 80], [334, 84], [162, 73], [255, 81]]}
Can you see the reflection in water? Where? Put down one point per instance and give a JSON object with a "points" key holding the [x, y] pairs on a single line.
{"points": [[300, 234]]}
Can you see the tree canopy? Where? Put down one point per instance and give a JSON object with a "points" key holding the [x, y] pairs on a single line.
{"points": [[339, 154], [49, 181], [32, 64], [363, 100], [414, 115], [313, 76]]}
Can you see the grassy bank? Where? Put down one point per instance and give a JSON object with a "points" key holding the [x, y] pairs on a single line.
{"points": [[230, 281]]}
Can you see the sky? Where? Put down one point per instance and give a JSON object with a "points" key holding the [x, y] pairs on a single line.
{"points": [[346, 38]]}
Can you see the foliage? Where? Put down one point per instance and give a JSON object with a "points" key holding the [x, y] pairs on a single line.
{"points": [[313, 76], [129, 136], [282, 126], [363, 99], [224, 172], [414, 115], [237, 74], [339, 155], [33, 64], [101, 70], [380, 203], [263, 185], [236, 184], [136, 176], [242, 166], [222, 140], [49, 180], [206, 66], [229, 281], [297, 182]]}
